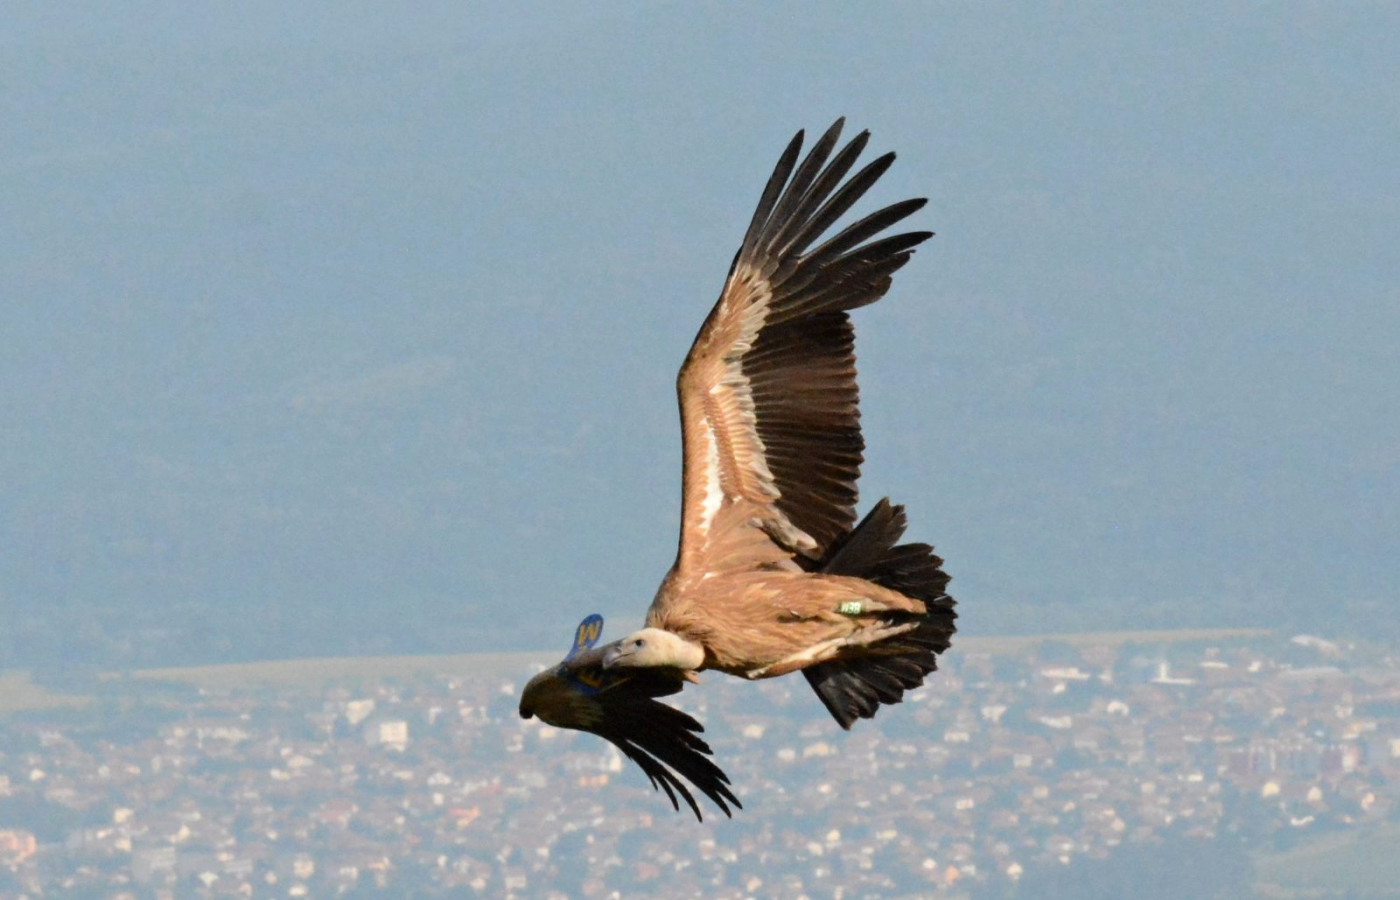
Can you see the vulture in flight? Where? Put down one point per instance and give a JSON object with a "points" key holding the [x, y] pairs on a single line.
{"points": [[773, 573]]}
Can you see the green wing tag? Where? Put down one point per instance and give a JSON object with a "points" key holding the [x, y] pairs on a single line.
{"points": [[589, 630], [850, 608]]}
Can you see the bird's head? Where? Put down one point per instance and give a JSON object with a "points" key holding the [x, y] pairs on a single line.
{"points": [[654, 648]]}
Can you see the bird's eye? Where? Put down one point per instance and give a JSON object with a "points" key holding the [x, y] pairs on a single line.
{"points": [[639, 642]]}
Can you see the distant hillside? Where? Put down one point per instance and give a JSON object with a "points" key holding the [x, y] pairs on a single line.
{"points": [[21, 691]]}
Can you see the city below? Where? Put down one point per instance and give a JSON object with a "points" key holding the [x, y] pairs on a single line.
{"points": [[1210, 764]]}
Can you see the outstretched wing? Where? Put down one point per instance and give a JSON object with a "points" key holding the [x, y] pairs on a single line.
{"points": [[768, 392], [621, 707]]}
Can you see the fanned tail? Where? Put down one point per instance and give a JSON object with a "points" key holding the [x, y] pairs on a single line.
{"points": [[854, 687]]}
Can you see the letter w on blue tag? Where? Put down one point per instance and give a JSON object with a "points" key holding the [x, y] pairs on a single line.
{"points": [[589, 630]]}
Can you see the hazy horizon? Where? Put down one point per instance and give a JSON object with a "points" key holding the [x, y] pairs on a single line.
{"points": [[331, 333]]}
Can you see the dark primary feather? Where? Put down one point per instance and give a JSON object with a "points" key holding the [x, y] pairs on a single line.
{"points": [[657, 736], [622, 708], [801, 366]]}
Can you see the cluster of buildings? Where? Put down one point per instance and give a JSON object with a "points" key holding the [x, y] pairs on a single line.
{"points": [[1004, 764]]}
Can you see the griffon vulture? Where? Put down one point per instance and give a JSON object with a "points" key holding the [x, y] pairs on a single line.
{"points": [[773, 574]]}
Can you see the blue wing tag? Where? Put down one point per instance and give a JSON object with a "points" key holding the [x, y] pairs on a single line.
{"points": [[589, 630]]}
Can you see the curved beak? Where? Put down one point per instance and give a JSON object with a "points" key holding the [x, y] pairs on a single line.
{"points": [[534, 691]]}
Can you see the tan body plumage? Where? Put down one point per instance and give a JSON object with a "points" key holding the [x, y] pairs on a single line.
{"points": [[761, 624]]}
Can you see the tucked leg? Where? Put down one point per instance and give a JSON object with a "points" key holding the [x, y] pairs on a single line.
{"points": [[829, 649]]}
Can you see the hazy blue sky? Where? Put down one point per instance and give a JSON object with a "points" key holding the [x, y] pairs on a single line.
{"points": [[314, 310]]}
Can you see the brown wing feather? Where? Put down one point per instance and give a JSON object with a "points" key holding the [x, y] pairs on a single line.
{"points": [[768, 397]]}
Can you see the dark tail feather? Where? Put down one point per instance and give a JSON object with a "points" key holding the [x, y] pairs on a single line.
{"points": [[854, 688]]}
